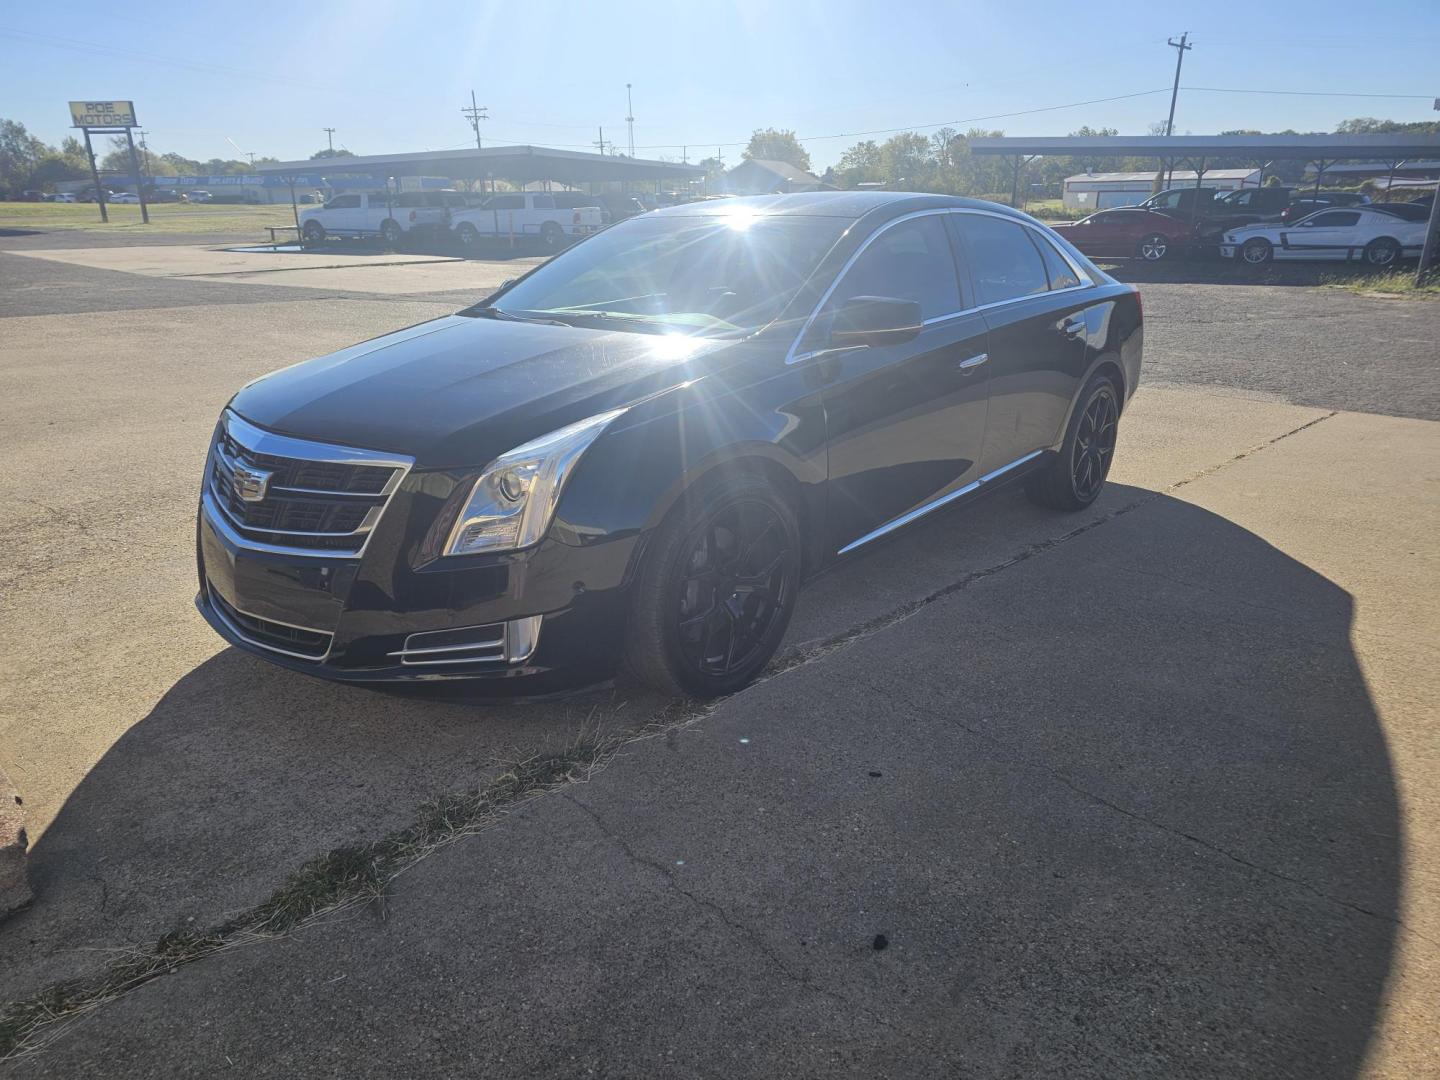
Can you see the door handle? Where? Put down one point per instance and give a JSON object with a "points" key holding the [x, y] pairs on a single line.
{"points": [[1075, 324], [967, 366]]}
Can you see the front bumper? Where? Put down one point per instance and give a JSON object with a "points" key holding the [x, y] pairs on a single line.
{"points": [[551, 616]]}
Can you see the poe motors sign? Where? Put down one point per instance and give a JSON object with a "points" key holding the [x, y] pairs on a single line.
{"points": [[110, 118], [102, 114]]}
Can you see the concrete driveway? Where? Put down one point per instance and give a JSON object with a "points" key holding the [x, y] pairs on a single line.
{"points": [[1142, 791]]}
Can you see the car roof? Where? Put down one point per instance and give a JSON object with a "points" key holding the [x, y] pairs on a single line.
{"points": [[841, 204]]}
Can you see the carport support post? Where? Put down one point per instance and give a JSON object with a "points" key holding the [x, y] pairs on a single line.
{"points": [[135, 172], [294, 208], [95, 175], [1432, 240]]}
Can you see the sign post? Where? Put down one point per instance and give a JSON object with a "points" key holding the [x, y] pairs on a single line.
{"points": [[110, 118]]}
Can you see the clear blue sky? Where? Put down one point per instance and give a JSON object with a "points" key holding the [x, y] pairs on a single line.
{"points": [[391, 76]]}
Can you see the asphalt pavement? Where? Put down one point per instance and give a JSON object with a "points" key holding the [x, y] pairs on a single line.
{"points": [[1142, 791]]}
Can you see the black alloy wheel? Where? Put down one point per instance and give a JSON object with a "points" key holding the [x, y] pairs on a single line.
{"points": [[1074, 476], [1094, 445], [717, 590]]}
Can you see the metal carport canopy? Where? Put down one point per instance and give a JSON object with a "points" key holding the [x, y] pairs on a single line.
{"points": [[521, 164], [1266, 147]]}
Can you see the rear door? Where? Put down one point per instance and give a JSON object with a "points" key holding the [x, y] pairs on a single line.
{"points": [[1034, 301], [905, 422]]}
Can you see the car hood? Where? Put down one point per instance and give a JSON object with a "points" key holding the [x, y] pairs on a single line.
{"points": [[457, 391]]}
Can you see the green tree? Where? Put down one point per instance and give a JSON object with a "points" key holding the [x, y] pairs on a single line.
{"points": [[319, 154], [772, 145], [20, 153]]}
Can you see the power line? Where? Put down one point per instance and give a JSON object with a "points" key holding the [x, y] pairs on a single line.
{"points": [[1305, 93]]}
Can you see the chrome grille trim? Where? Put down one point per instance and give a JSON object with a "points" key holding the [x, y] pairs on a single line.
{"points": [[219, 608], [236, 436]]}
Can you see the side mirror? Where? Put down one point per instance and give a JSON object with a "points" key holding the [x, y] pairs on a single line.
{"points": [[875, 320], [506, 284]]}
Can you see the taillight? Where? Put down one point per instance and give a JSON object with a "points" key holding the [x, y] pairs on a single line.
{"points": [[1139, 301], [575, 218], [412, 217]]}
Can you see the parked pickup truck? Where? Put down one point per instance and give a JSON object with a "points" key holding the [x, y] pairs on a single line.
{"points": [[527, 215], [390, 217]]}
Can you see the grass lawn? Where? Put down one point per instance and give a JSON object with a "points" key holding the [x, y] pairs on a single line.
{"points": [[1398, 283], [164, 218]]}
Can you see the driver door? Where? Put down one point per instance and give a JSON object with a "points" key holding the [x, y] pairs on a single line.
{"points": [[906, 421]]}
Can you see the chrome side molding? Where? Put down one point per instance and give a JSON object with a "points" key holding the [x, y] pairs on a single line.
{"points": [[935, 504]]}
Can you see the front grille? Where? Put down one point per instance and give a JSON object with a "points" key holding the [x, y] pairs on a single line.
{"points": [[268, 634], [313, 496]]}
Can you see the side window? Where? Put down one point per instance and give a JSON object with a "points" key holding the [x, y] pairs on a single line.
{"points": [[1004, 264], [911, 261], [544, 202], [1336, 219], [1058, 270], [344, 202], [506, 202]]}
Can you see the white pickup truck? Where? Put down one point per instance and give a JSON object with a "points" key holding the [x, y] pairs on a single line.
{"points": [[374, 214], [524, 215]]}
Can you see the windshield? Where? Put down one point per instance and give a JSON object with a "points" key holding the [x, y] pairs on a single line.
{"points": [[724, 275]]}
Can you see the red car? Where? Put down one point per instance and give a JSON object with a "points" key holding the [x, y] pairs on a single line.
{"points": [[1129, 233]]}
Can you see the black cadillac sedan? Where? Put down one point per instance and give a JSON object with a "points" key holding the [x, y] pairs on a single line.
{"points": [[631, 457]]}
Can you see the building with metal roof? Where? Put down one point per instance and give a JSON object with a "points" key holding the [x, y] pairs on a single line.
{"points": [[517, 164]]}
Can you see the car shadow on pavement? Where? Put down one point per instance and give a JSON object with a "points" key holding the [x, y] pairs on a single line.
{"points": [[1141, 815]]}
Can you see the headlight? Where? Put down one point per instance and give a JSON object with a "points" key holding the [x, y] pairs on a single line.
{"points": [[514, 500]]}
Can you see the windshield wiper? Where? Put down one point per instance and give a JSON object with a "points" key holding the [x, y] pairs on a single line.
{"points": [[510, 316]]}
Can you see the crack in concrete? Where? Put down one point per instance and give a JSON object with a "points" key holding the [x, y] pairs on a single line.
{"points": [[736, 927]]}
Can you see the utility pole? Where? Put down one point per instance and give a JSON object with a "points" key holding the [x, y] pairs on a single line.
{"points": [[1431, 248], [329, 136], [476, 113], [1181, 47], [601, 141], [145, 155], [630, 118]]}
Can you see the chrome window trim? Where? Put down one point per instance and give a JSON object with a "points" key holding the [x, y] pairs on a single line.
{"points": [[239, 632], [936, 503], [1086, 282]]}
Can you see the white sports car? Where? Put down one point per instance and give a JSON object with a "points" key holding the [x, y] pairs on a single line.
{"points": [[1351, 234]]}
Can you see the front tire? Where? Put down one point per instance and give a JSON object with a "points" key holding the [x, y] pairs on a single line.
{"points": [[1074, 478], [1257, 251], [313, 233], [391, 233], [1154, 247], [468, 236], [717, 589], [552, 236], [1382, 252]]}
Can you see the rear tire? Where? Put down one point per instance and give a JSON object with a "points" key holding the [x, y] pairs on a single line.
{"points": [[1257, 251], [1075, 476], [716, 590], [313, 233], [391, 233], [1382, 252], [468, 236], [1154, 247], [552, 236]]}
